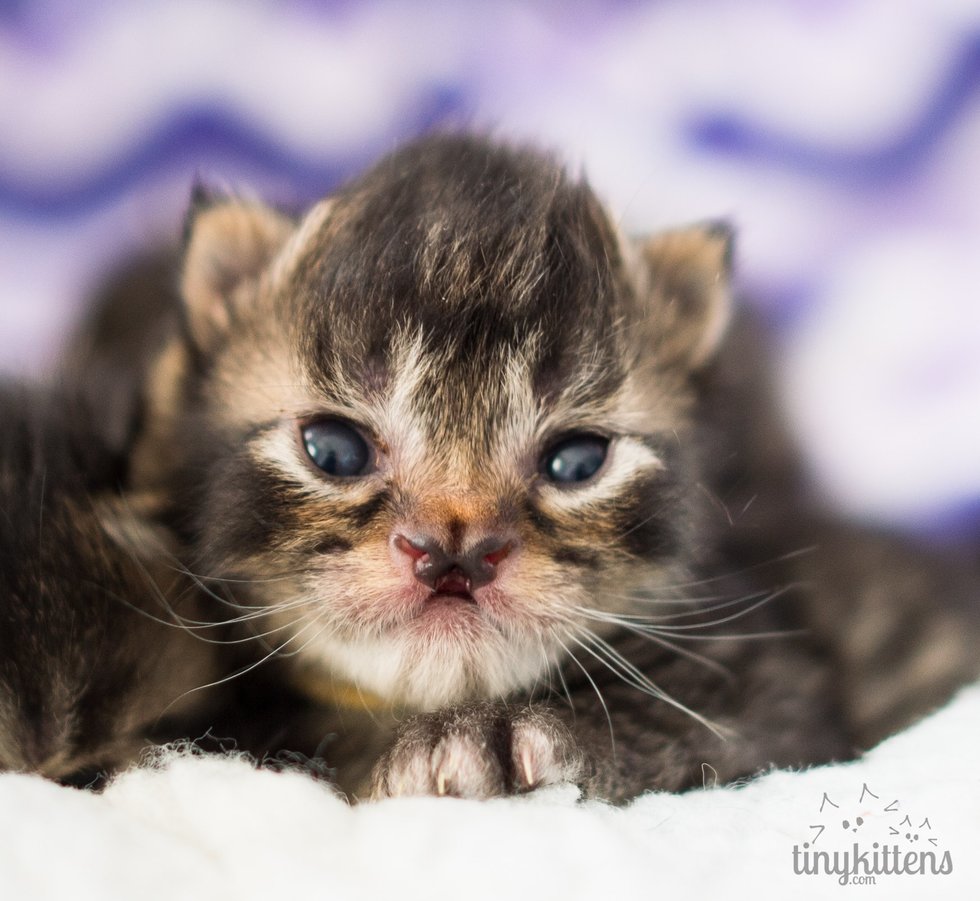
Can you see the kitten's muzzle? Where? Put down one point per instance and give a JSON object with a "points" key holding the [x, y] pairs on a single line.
{"points": [[454, 574]]}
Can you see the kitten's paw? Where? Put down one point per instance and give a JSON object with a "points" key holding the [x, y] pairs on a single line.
{"points": [[479, 751]]}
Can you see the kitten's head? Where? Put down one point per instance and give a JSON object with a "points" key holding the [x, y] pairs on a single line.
{"points": [[436, 418]]}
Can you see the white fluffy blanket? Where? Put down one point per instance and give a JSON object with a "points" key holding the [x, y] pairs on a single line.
{"points": [[204, 827]]}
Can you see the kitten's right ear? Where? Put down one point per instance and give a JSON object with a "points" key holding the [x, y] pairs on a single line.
{"points": [[228, 244], [688, 277]]}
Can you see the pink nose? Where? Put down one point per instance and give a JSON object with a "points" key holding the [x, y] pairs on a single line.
{"points": [[447, 573]]}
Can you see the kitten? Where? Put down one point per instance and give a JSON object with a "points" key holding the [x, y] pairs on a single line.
{"points": [[93, 659], [480, 462], [133, 313]]}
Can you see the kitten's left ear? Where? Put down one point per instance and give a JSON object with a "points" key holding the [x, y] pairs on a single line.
{"points": [[229, 243], [688, 279]]}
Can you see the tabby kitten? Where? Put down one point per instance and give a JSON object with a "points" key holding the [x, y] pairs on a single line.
{"points": [[93, 662], [468, 455]]}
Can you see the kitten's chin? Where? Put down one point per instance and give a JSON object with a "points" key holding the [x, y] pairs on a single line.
{"points": [[424, 670]]}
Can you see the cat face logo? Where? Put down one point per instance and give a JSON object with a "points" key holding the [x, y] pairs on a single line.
{"points": [[876, 820], [912, 833]]}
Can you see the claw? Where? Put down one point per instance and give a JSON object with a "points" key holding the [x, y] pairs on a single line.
{"points": [[527, 767], [441, 784]]}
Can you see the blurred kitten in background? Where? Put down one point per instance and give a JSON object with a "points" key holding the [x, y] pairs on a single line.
{"points": [[92, 665]]}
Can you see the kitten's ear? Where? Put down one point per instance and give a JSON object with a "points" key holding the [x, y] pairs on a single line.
{"points": [[688, 280], [228, 242]]}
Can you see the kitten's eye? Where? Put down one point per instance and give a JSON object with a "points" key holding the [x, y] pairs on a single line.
{"points": [[575, 459], [337, 448]]}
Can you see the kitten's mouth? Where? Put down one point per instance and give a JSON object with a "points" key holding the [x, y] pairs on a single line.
{"points": [[453, 586]]}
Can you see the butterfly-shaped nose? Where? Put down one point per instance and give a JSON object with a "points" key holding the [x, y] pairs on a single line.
{"points": [[448, 573]]}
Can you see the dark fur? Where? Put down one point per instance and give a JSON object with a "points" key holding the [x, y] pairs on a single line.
{"points": [[87, 674], [480, 251], [135, 312]]}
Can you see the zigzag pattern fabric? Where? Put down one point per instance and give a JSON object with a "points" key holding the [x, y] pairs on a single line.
{"points": [[841, 138]]}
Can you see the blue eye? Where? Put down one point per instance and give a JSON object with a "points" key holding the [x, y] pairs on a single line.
{"points": [[575, 459], [337, 448]]}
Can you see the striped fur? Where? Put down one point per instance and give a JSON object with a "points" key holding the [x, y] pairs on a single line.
{"points": [[466, 306]]}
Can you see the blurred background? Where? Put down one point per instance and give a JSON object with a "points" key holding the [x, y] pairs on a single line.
{"points": [[842, 138]]}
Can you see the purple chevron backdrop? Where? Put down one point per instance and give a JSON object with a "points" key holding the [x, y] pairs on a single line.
{"points": [[843, 138]]}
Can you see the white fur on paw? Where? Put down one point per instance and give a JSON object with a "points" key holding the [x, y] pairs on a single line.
{"points": [[483, 751], [542, 756], [460, 765]]}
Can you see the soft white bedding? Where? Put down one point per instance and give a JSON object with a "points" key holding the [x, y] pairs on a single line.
{"points": [[204, 827]]}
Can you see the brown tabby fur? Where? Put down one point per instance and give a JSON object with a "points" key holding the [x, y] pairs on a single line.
{"points": [[465, 305], [93, 666]]}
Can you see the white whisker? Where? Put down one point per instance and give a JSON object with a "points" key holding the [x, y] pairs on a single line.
{"points": [[254, 665], [652, 635], [628, 673], [595, 688]]}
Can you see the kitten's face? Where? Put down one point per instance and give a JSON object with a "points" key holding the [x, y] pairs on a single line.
{"points": [[438, 424]]}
